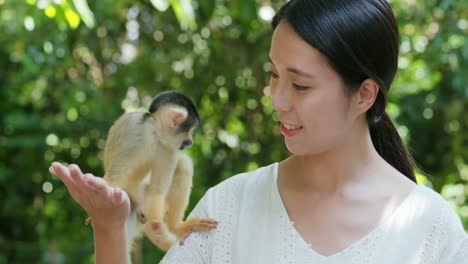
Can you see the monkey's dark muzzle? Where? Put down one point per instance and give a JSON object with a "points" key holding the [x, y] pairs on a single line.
{"points": [[187, 143]]}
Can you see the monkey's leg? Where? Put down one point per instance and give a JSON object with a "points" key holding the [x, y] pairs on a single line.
{"points": [[159, 235], [156, 192], [157, 231], [178, 199], [154, 208], [128, 176], [179, 194]]}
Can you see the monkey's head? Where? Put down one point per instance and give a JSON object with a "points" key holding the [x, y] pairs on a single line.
{"points": [[176, 118]]}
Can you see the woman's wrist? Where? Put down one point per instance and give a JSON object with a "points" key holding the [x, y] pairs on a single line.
{"points": [[111, 244], [104, 227], [108, 230]]}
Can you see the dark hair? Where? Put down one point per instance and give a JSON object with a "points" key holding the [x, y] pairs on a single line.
{"points": [[171, 97], [360, 40]]}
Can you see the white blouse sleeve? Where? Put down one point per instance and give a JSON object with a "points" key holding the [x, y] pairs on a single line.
{"points": [[455, 250], [197, 247], [461, 253]]}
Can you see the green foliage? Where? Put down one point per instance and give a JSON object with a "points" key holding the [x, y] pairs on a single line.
{"points": [[69, 68]]}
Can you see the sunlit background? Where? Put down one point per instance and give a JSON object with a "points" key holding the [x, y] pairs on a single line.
{"points": [[69, 68]]}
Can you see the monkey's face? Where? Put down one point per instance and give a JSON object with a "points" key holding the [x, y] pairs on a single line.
{"points": [[175, 129], [187, 141]]}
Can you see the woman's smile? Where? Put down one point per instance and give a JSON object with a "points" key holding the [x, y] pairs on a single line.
{"points": [[289, 129]]}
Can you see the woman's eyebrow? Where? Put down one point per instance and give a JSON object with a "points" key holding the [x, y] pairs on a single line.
{"points": [[296, 71]]}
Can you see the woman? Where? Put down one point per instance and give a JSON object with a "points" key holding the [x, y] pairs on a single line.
{"points": [[348, 193]]}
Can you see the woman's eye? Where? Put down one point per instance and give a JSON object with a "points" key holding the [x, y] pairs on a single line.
{"points": [[300, 87], [273, 75], [296, 86]]}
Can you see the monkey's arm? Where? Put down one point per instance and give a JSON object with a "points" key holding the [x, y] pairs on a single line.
{"points": [[178, 200], [175, 197], [197, 247]]}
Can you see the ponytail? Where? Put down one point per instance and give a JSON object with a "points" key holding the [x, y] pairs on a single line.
{"points": [[389, 145]]}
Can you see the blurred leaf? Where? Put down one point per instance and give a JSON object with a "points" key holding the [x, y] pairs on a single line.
{"points": [[206, 10], [184, 12], [245, 11], [73, 18], [85, 13], [161, 5]]}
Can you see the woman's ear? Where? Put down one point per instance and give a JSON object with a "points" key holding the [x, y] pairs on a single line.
{"points": [[366, 96]]}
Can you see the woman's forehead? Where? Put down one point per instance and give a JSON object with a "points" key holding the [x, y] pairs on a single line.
{"points": [[288, 49]]}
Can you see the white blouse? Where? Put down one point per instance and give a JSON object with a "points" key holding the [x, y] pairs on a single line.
{"points": [[254, 227]]}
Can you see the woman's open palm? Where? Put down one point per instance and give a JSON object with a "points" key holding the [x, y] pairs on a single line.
{"points": [[107, 206]]}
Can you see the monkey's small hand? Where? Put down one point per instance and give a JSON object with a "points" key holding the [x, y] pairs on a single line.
{"points": [[107, 207], [194, 224]]}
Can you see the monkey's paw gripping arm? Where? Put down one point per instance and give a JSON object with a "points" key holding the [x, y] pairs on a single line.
{"points": [[194, 224]]}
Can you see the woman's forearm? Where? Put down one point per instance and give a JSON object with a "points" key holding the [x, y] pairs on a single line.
{"points": [[111, 246]]}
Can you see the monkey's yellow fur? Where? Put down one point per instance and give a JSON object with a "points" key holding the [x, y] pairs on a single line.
{"points": [[142, 157]]}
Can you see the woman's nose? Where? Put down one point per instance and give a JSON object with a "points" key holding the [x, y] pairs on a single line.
{"points": [[280, 99]]}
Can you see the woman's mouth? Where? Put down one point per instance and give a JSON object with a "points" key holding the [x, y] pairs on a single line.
{"points": [[290, 129]]}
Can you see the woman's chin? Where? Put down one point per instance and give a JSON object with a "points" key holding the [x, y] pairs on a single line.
{"points": [[301, 149], [295, 148]]}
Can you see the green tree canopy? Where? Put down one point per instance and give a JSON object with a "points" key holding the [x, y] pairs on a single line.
{"points": [[69, 68]]}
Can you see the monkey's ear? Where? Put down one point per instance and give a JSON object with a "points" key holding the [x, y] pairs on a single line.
{"points": [[176, 116]]}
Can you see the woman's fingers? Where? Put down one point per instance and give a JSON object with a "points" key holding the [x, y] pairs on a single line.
{"points": [[100, 187], [103, 203], [77, 175], [77, 184], [88, 178], [63, 173], [97, 184], [83, 186], [118, 196]]}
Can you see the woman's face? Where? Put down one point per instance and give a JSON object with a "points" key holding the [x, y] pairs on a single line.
{"points": [[308, 95]]}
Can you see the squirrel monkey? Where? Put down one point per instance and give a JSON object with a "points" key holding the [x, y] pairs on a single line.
{"points": [[142, 156]]}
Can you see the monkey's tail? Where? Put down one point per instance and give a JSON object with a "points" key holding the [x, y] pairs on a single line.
{"points": [[134, 230]]}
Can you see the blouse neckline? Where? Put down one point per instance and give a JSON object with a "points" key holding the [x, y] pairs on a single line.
{"points": [[373, 232]]}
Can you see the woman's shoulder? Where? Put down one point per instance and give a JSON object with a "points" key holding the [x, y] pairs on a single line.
{"points": [[443, 225], [255, 178], [431, 200], [236, 191], [431, 208], [427, 203]]}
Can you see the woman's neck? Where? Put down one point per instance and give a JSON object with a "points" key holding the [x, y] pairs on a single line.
{"points": [[351, 162]]}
